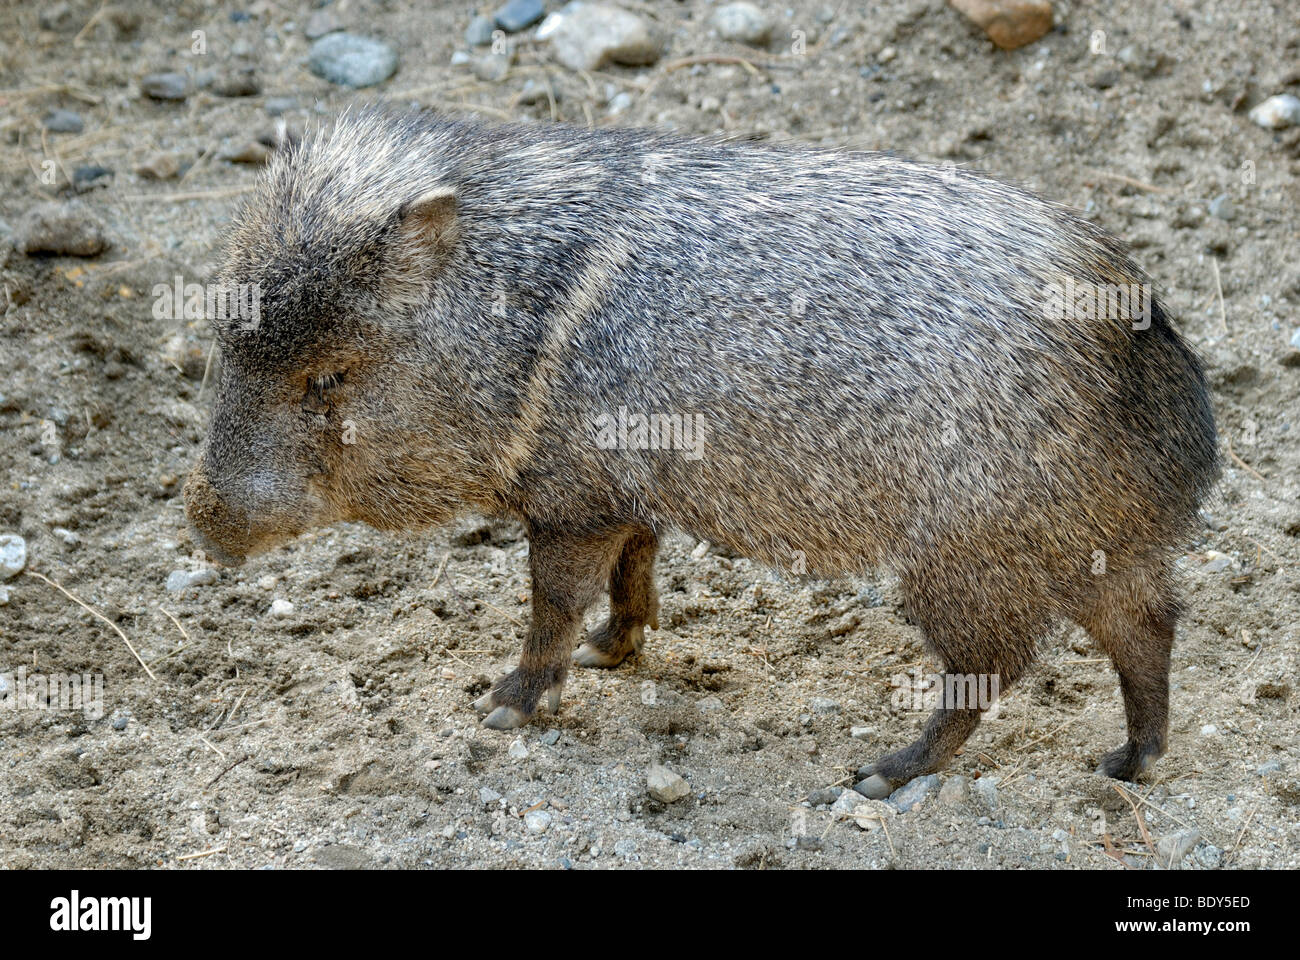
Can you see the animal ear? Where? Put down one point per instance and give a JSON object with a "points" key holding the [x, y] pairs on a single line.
{"points": [[430, 217]]}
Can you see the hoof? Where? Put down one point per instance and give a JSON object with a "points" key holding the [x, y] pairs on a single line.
{"points": [[551, 702], [505, 718], [589, 656], [874, 787]]}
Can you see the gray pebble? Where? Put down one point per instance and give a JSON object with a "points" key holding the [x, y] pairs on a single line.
{"points": [[487, 796], [825, 705], [64, 121], [351, 60], [58, 228], [955, 790], [551, 737], [179, 580], [274, 106], [985, 790], [1172, 849], [479, 31], [91, 176], [165, 86], [120, 723], [824, 795], [515, 15], [912, 793], [1222, 207]]}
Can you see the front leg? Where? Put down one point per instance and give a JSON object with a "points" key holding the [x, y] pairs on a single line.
{"points": [[568, 573]]}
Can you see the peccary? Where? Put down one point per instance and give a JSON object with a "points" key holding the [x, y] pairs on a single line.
{"points": [[883, 363]]}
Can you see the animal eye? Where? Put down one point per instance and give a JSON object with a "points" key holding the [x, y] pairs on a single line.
{"points": [[327, 382], [318, 388]]}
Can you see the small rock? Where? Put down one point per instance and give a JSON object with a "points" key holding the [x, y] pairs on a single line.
{"points": [[955, 791], [985, 791], [1277, 113], [550, 738], [515, 15], [847, 802], [351, 60], [13, 555], [280, 608], [267, 582], [66, 535], [251, 152], [666, 786], [709, 705], [64, 121], [590, 35], [870, 814], [57, 228], [1172, 849], [91, 176], [1216, 562], [4, 596], [160, 166], [861, 733], [479, 31], [320, 23], [1295, 338], [487, 796], [1008, 23], [518, 751], [1210, 856], [1222, 207], [179, 580], [120, 723], [910, 794], [1264, 769], [165, 86], [825, 705], [237, 83], [1209, 730], [537, 821], [491, 67], [743, 23], [274, 106], [824, 795]]}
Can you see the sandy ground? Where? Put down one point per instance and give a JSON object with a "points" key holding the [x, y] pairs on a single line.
{"points": [[341, 735]]}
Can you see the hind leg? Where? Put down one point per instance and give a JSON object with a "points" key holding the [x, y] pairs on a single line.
{"points": [[633, 603], [983, 652], [1133, 620]]}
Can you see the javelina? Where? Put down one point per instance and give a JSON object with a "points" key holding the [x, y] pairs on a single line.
{"points": [[885, 363]]}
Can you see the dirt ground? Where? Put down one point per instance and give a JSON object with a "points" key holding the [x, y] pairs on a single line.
{"points": [[340, 735]]}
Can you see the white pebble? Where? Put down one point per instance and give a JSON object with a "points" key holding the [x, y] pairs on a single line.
{"points": [[281, 608], [1277, 113], [13, 555]]}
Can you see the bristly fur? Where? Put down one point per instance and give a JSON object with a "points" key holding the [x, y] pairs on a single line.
{"points": [[864, 338]]}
